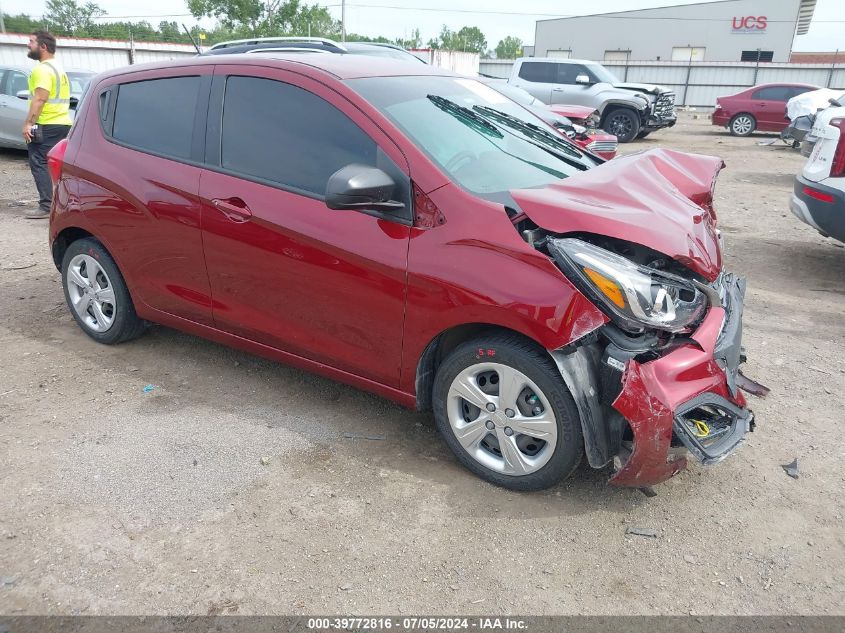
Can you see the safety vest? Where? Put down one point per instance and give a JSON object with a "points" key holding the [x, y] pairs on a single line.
{"points": [[50, 76]]}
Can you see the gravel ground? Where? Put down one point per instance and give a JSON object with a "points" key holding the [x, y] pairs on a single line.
{"points": [[230, 487]]}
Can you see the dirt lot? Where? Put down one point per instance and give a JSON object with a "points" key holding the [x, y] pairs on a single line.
{"points": [[117, 501]]}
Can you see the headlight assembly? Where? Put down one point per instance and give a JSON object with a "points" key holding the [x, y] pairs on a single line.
{"points": [[635, 297]]}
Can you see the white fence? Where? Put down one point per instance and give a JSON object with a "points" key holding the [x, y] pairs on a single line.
{"points": [[456, 61], [94, 55], [699, 83], [100, 55]]}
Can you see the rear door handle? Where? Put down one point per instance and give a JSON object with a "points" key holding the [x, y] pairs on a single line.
{"points": [[233, 208], [557, 89]]}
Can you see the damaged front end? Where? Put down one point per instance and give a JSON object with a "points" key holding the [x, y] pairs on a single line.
{"points": [[645, 396], [661, 379]]}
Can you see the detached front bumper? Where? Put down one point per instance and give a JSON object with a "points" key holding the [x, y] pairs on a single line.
{"points": [[654, 123], [687, 398]]}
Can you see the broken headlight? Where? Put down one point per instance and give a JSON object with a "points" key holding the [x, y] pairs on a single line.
{"points": [[635, 297]]}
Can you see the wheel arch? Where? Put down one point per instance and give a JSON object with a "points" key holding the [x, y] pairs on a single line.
{"points": [[443, 343], [64, 239]]}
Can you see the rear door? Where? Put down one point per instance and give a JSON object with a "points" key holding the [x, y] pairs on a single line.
{"points": [[538, 78], [285, 270], [769, 107], [137, 174], [12, 110]]}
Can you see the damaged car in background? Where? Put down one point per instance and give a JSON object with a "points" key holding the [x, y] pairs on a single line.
{"points": [[439, 245], [577, 123]]}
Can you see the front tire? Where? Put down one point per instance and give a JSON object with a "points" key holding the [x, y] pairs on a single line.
{"points": [[506, 414], [742, 124], [96, 294], [622, 123]]}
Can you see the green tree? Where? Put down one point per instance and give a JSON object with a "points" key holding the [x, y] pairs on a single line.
{"points": [[415, 41], [471, 39], [468, 38], [66, 17], [316, 21], [509, 48], [21, 23], [256, 18]]}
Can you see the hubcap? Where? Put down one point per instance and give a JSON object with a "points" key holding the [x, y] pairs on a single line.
{"points": [[91, 293], [742, 125], [517, 435]]}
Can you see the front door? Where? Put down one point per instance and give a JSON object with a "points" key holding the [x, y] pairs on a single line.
{"points": [[12, 110], [769, 107], [285, 270]]}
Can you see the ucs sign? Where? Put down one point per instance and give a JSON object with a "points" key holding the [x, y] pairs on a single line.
{"points": [[750, 23]]}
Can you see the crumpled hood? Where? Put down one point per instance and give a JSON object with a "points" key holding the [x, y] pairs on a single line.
{"points": [[649, 88], [659, 198]]}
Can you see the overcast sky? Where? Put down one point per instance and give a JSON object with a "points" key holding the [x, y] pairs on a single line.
{"points": [[496, 18]]}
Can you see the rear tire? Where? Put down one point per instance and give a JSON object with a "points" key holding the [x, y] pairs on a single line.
{"points": [[742, 124], [623, 123], [96, 294], [531, 438], [643, 133]]}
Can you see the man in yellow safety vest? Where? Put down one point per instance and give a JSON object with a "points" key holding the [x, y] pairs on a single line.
{"points": [[47, 121]]}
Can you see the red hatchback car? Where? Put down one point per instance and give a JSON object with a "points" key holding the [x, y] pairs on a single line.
{"points": [[412, 233], [761, 108]]}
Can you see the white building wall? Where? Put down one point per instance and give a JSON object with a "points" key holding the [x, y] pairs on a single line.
{"points": [[652, 33]]}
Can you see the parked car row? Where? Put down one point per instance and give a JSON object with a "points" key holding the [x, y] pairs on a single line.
{"points": [[808, 117]]}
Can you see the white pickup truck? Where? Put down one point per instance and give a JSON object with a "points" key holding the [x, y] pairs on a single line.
{"points": [[628, 110]]}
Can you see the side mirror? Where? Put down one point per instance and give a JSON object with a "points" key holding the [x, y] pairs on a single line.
{"points": [[583, 80], [22, 94], [362, 187]]}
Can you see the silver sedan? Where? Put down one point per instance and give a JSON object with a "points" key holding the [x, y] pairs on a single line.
{"points": [[14, 100]]}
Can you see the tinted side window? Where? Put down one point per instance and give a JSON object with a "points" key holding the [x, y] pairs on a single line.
{"points": [[157, 115], [541, 72], [281, 133], [794, 92], [772, 93], [567, 73]]}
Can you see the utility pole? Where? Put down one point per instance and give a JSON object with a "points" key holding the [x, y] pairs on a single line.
{"points": [[2, 23], [342, 20]]}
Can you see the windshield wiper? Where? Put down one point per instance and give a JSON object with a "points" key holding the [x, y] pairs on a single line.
{"points": [[466, 116], [534, 132]]}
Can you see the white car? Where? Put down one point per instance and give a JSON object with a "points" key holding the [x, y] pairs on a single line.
{"points": [[818, 197]]}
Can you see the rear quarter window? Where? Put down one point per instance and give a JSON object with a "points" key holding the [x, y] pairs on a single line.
{"points": [[157, 115]]}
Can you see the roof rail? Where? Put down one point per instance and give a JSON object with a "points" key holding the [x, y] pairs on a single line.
{"points": [[290, 49], [267, 40]]}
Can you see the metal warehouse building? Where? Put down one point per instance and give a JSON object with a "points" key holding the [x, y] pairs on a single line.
{"points": [[730, 30]]}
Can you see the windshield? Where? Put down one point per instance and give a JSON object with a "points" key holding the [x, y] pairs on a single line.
{"points": [[484, 141], [602, 73]]}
